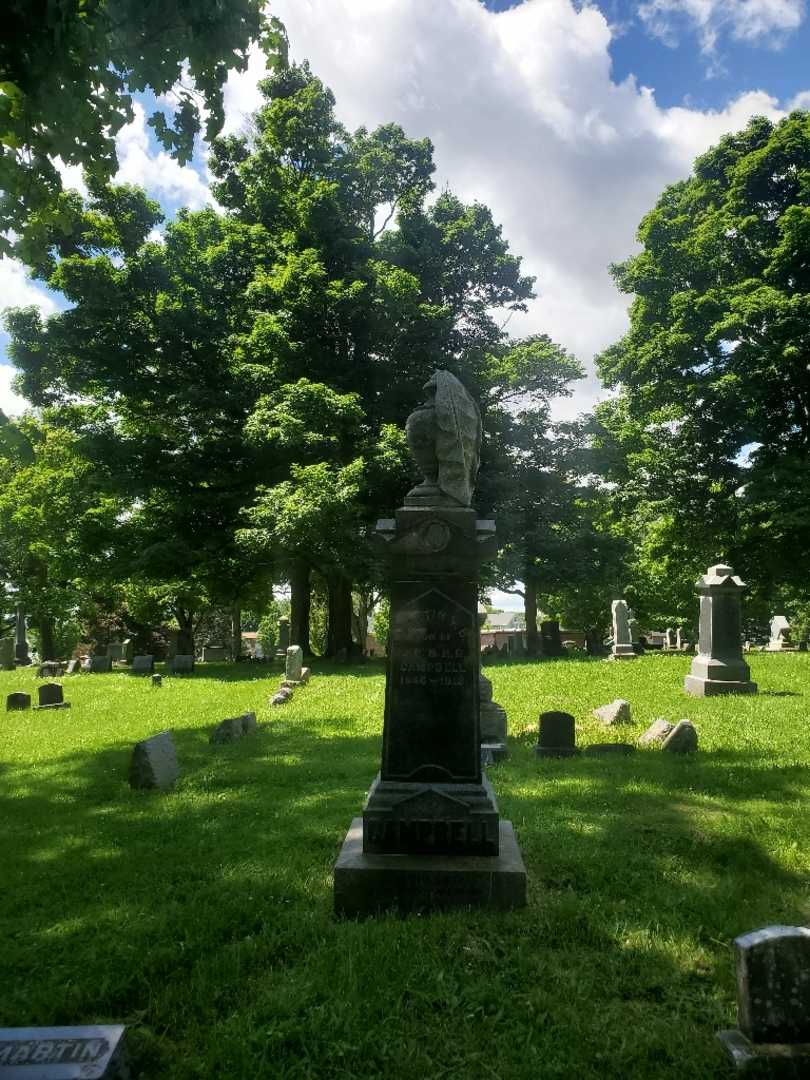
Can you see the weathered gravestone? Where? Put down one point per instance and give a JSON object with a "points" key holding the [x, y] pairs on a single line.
{"points": [[115, 650], [51, 669], [52, 696], [669, 640], [20, 643], [142, 665], [430, 835], [91, 1052], [556, 736], [18, 702], [718, 667], [128, 648], [214, 653], [283, 636], [157, 680], [780, 635], [227, 731], [154, 763], [622, 648], [493, 720], [683, 739], [100, 665], [656, 733], [294, 663], [617, 712], [182, 664], [281, 696], [550, 641], [6, 654], [773, 1004]]}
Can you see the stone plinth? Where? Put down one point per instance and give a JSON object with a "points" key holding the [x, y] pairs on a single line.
{"points": [[718, 667], [368, 884]]}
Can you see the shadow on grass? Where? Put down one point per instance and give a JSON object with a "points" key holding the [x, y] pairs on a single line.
{"points": [[179, 912]]}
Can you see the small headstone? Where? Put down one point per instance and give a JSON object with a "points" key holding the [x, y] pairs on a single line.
{"points": [[683, 738], [669, 639], [305, 674], [282, 696], [63, 1053], [249, 725], [556, 736], [142, 665], [295, 663], [17, 702], [214, 653], [157, 680], [115, 650], [773, 1003], [6, 654], [780, 635], [52, 696], [617, 712], [493, 715], [227, 731], [51, 669], [607, 749], [73, 667], [100, 665], [128, 649], [656, 733], [154, 763], [550, 641], [283, 636], [182, 664]]}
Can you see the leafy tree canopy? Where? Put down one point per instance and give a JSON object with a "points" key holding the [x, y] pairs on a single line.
{"points": [[67, 72]]}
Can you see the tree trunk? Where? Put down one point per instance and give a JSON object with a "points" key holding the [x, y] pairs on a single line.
{"points": [[299, 605], [339, 632], [185, 633], [360, 618], [530, 605], [47, 648], [236, 630]]}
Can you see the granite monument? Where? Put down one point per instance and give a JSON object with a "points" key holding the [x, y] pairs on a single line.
{"points": [[718, 667]]}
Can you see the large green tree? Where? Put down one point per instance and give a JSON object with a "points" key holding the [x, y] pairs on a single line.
{"points": [[67, 72], [713, 416]]}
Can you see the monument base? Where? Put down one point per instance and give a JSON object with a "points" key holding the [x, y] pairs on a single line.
{"points": [[628, 655], [696, 686], [494, 751], [56, 705], [770, 1061], [367, 885]]}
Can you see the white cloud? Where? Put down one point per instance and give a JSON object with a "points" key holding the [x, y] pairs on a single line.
{"points": [[525, 117], [767, 22], [157, 172], [10, 403], [18, 290]]}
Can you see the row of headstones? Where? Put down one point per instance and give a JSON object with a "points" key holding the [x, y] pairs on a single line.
{"points": [[154, 764], [772, 1037], [295, 675], [557, 734]]}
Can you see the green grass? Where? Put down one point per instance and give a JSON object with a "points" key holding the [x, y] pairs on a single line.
{"points": [[202, 919]]}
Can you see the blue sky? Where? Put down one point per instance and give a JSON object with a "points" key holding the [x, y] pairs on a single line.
{"points": [[672, 59], [567, 118]]}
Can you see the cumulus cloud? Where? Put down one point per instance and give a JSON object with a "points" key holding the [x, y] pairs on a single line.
{"points": [[10, 403], [767, 22], [156, 171], [18, 290], [525, 117]]}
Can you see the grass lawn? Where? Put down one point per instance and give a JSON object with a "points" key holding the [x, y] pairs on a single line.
{"points": [[202, 919]]}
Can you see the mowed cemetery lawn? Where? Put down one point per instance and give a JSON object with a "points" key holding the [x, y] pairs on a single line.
{"points": [[203, 918]]}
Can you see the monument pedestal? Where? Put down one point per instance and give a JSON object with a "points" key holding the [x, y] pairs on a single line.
{"points": [[696, 686], [719, 667], [368, 884]]}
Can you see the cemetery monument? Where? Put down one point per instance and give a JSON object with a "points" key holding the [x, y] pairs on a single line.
{"points": [[430, 835], [20, 643], [718, 667], [622, 642], [780, 635]]}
